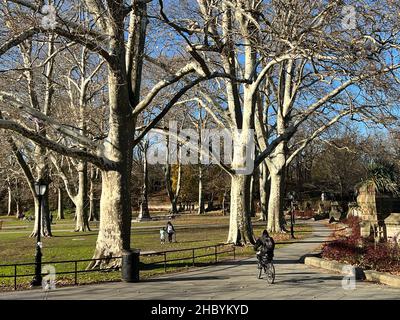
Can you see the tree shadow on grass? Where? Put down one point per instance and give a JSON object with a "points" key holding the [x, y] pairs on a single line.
{"points": [[74, 235]]}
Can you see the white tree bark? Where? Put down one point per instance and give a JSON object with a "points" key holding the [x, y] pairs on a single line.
{"points": [[81, 199], [264, 191], [240, 227], [18, 208], [252, 200], [276, 166], [60, 204], [9, 203], [45, 217], [115, 203]]}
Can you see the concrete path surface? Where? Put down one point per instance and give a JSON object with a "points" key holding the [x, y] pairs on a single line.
{"points": [[232, 280]]}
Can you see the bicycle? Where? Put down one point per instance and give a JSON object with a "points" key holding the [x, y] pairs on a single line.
{"points": [[265, 264]]}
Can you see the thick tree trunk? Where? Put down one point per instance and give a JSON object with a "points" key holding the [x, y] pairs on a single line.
{"points": [[274, 204], [115, 203], [277, 172], [240, 227], [45, 214], [9, 204], [264, 191], [60, 204], [115, 219], [81, 201]]}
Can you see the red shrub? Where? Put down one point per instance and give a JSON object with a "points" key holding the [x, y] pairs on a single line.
{"points": [[348, 249], [342, 250], [382, 257], [354, 224], [354, 250]]}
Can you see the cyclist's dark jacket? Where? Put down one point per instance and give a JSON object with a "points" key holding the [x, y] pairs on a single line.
{"points": [[262, 242]]}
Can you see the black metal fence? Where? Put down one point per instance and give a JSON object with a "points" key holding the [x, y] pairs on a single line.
{"points": [[192, 254], [217, 250], [73, 263]]}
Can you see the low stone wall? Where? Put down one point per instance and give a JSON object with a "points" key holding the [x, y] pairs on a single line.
{"points": [[369, 275], [382, 277]]}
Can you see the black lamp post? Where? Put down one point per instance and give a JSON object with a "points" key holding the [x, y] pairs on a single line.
{"points": [[40, 190]]}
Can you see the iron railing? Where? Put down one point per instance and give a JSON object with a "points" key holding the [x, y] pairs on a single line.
{"points": [[146, 266], [191, 257]]}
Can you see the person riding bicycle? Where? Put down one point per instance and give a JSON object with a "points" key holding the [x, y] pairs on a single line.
{"points": [[266, 245]]}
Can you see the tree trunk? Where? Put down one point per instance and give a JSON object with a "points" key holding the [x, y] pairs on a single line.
{"points": [[60, 205], [201, 198], [224, 206], [173, 196], [251, 195], [81, 201], [174, 206], [9, 204], [42, 171], [274, 204], [115, 219], [45, 214], [93, 214], [240, 227], [18, 208], [277, 171], [115, 203], [264, 191], [210, 203], [144, 213]]}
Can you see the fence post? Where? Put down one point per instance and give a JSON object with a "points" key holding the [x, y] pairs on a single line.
{"points": [[15, 277], [216, 256], [193, 257], [234, 253], [165, 262], [76, 272]]}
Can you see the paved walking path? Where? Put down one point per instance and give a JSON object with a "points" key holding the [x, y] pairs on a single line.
{"points": [[233, 280]]}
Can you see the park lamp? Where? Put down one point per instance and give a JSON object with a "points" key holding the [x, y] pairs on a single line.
{"points": [[40, 188]]}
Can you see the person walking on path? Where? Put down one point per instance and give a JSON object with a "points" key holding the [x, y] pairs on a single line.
{"points": [[170, 230]]}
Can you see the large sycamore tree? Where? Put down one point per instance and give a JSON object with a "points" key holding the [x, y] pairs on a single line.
{"points": [[299, 61], [116, 31]]}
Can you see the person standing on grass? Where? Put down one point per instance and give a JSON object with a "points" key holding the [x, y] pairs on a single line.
{"points": [[162, 235], [170, 230]]}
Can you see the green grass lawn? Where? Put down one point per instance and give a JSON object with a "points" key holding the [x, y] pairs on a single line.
{"points": [[17, 247]]}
